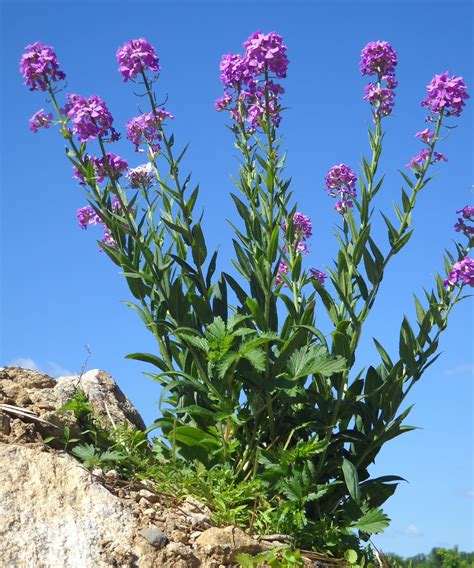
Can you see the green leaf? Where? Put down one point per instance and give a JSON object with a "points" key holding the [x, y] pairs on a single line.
{"points": [[312, 359], [198, 246], [352, 479], [351, 556], [149, 358], [190, 436], [374, 521]]}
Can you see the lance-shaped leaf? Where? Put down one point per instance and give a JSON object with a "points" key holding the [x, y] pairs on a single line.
{"points": [[352, 479]]}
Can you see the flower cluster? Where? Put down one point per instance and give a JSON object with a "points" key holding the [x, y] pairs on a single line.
{"points": [[340, 182], [462, 272], [136, 56], [87, 216], [301, 227], [141, 176], [39, 66], [112, 167], [40, 120], [147, 129], [380, 59], [446, 94], [90, 118], [249, 89], [301, 231], [418, 162], [467, 216], [318, 276], [282, 269]]}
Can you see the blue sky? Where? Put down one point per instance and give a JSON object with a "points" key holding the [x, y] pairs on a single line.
{"points": [[59, 294]]}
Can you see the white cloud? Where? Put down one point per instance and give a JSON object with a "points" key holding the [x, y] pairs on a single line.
{"points": [[412, 530], [466, 369], [469, 493], [49, 368], [55, 370], [24, 362]]}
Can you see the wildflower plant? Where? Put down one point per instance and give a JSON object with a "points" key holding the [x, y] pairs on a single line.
{"points": [[252, 386]]}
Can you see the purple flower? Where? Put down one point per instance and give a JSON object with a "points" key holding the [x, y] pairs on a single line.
{"points": [[108, 239], [340, 182], [223, 102], [301, 226], [40, 120], [266, 52], [147, 129], [438, 157], [282, 269], [318, 275], [380, 97], [467, 212], [445, 93], [462, 272], [378, 58], [90, 117], [343, 206], [135, 56], [114, 165], [141, 176], [87, 216], [426, 135], [249, 92], [234, 70], [40, 67], [419, 161], [302, 230]]}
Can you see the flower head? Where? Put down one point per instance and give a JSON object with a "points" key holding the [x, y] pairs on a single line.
{"points": [[301, 226], [135, 56], [467, 212], [282, 269], [467, 216], [250, 91], [381, 98], [266, 51], [141, 176], [318, 276], [113, 167], [147, 129], [40, 67], [234, 70], [40, 120], [90, 118], [462, 272], [446, 94], [340, 182], [378, 58], [87, 216], [341, 179]]}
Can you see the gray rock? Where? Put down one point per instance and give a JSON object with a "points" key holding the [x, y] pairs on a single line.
{"points": [[155, 536]]}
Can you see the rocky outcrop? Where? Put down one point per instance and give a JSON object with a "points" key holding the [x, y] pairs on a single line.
{"points": [[43, 396], [54, 513]]}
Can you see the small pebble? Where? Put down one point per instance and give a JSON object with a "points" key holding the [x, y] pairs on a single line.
{"points": [[155, 536]]}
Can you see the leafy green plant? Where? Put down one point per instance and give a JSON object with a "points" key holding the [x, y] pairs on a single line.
{"points": [[270, 408]]}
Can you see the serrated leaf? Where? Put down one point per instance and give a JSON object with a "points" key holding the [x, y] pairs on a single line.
{"points": [[374, 521]]}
